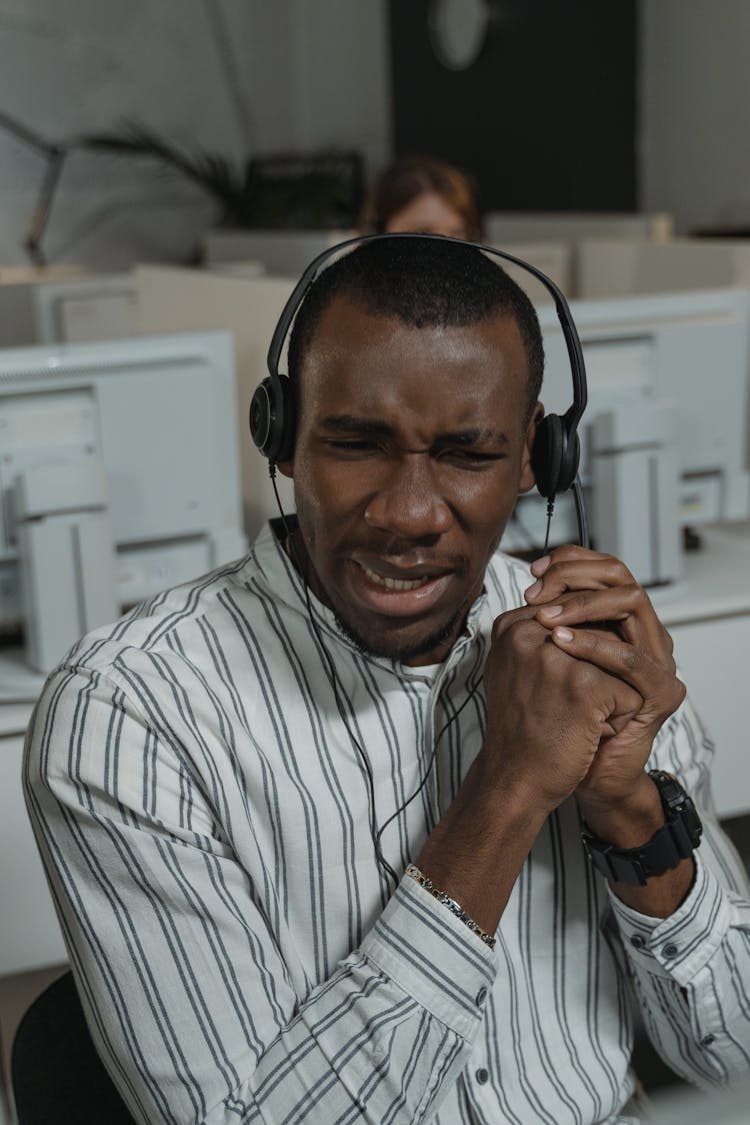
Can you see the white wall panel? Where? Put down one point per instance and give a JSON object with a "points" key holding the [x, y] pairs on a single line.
{"points": [[239, 77]]}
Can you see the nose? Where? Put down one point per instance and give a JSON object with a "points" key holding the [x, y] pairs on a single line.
{"points": [[408, 502]]}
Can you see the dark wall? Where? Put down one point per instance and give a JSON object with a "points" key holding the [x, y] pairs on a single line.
{"points": [[544, 119]]}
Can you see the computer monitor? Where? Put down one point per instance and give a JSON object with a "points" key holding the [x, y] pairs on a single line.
{"points": [[282, 253], [96, 307], [174, 299], [687, 353], [138, 437]]}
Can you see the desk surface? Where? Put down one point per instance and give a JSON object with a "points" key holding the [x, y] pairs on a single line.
{"points": [[716, 585], [19, 686], [716, 582], [14, 718]]}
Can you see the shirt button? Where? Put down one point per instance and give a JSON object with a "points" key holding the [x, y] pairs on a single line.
{"points": [[707, 1040], [481, 997], [671, 950], [482, 1075], [638, 941]]}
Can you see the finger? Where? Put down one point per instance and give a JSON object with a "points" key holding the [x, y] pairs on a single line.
{"points": [[631, 664], [510, 617], [566, 553], [598, 573], [629, 606]]}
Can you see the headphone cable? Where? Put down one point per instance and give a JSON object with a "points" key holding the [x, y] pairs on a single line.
{"points": [[375, 831], [335, 684]]}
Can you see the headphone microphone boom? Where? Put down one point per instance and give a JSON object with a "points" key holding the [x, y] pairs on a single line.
{"points": [[556, 451]]}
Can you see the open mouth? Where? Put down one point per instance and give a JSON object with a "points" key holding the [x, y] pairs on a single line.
{"points": [[396, 583], [398, 597]]}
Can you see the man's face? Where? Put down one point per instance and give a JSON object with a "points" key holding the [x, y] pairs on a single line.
{"points": [[411, 450]]}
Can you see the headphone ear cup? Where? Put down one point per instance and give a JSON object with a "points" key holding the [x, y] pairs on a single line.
{"points": [[547, 454], [554, 456], [273, 418], [569, 460]]}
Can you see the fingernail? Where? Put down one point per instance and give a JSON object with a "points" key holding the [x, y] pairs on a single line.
{"points": [[532, 590], [562, 634], [551, 610], [538, 568]]}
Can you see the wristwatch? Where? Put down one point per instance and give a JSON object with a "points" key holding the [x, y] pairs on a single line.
{"points": [[676, 840]]}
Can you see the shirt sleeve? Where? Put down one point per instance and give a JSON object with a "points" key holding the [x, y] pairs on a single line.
{"points": [[691, 971], [199, 1010]]}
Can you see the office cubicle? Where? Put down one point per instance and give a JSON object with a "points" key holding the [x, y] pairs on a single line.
{"points": [[184, 300], [18, 286], [614, 267]]}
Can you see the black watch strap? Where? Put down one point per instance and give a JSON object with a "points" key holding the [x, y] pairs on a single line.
{"points": [[675, 840]]}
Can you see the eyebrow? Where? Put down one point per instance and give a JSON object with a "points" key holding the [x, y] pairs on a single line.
{"points": [[369, 427]]}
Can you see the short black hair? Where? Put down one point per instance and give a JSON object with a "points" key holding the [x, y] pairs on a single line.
{"points": [[423, 281]]}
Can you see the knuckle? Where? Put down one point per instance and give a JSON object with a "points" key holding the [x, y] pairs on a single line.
{"points": [[515, 631], [620, 572], [501, 626], [585, 676], [638, 596], [508, 620], [565, 551], [524, 635]]}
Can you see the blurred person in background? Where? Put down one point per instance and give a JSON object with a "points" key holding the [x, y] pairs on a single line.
{"points": [[421, 194]]}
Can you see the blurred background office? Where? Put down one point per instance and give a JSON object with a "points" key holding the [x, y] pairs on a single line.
{"points": [[168, 168], [576, 107]]}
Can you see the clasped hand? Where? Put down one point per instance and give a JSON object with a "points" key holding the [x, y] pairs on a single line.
{"points": [[579, 681]]}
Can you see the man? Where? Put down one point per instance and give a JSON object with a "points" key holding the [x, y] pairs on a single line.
{"points": [[288, 809]]}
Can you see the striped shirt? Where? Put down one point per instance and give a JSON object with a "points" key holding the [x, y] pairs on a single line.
{"points": [[205, 819]]}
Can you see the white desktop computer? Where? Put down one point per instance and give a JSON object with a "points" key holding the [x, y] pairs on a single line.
{"points": [[119, 477], [669, 397]]}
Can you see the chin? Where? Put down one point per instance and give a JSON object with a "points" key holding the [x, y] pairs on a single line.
{"points": [[403, 646]]}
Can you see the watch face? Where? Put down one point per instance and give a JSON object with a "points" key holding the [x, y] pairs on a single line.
{"points": [[458, 29]]}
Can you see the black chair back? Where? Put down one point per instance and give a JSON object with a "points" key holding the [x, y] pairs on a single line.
{"points": [[57, 1076]]}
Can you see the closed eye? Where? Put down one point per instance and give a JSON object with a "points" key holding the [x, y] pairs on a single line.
{"points": [[470, 457], [460, 455], [352, 445]]}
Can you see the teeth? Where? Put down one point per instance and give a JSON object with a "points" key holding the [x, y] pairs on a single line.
{"points": [[394, 583]]}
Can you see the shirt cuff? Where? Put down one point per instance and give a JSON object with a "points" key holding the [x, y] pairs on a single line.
{"points": [[433, 956], [679, 946]]}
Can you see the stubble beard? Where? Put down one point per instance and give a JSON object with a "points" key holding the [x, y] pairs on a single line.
{"points": [[399, 653], [403, 653]]}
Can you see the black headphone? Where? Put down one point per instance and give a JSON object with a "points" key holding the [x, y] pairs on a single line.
{"points": [[554, 456], [556, 449]]}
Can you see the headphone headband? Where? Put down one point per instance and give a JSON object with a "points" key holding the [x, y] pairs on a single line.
{"points": [[555, 453], [320, 262]]}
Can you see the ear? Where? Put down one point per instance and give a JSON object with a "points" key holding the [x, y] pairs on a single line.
{"points": [[527, 479], [286, 468]]}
